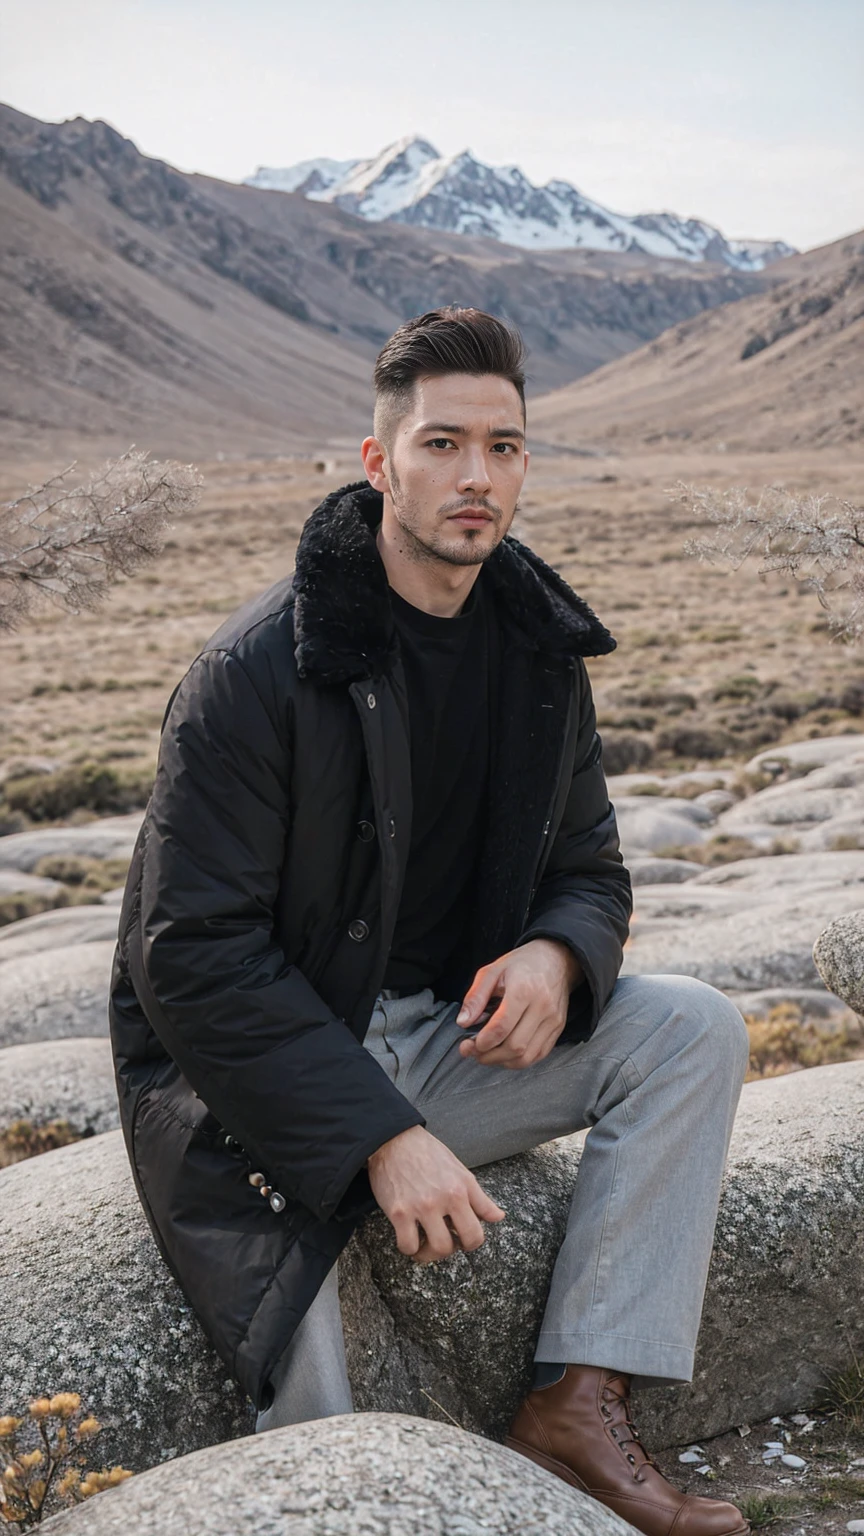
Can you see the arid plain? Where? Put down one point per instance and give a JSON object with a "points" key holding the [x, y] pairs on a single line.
{"points": [[747, 660]]}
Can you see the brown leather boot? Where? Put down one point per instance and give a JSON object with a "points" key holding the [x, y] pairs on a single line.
{"points": [[580, 1429]]}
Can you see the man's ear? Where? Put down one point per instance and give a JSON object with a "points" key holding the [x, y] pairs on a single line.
{"points": [[374, 456]]}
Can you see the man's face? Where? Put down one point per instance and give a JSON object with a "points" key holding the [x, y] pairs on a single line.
{"points": [[455, 467]]}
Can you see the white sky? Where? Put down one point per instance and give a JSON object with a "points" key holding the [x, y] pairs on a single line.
{"points": [[747, 113]]}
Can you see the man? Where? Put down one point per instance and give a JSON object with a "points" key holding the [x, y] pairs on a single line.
{"points": [[372, 935]]}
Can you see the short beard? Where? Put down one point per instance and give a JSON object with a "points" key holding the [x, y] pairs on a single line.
{"points": [[419, 550]]}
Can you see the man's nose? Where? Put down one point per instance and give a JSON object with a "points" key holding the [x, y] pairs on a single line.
{"points": [[474, 475]]}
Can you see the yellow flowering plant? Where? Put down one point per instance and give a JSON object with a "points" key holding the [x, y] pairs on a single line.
{"points": [[43, 1452]]}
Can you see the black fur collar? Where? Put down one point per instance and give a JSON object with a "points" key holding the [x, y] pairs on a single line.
{"points": [[343, 620]]}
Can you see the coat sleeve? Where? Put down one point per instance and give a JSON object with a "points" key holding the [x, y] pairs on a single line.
{"points": [[260, 1047], [585, 899]]}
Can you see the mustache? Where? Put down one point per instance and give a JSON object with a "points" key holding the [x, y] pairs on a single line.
{"points": [[464, 503]]}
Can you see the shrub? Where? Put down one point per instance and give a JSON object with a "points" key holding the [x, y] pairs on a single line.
{"points": [[69, 543], [84, 786], [694, 741], [45, 1451], [852, 697], [815, 540], [745, 685], [22, 1139], [623, 751], [29, 904], [85, 874], [722, 849], [843, 1398], [670, 701], [784, 1040]]}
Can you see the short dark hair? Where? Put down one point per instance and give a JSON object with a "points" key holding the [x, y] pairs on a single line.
{"points": [[447, 340]]}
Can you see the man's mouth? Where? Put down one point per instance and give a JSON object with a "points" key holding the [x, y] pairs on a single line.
{"points": [[472, 517]]}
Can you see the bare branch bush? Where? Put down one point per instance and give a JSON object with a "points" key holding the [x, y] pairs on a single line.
{"points": [[817, 539], [69, 542]]}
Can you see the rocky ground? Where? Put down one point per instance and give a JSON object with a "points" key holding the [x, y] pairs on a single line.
{"points": [[815, 1484]]}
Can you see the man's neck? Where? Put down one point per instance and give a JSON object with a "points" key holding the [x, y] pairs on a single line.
{"points": [[435, 586]]}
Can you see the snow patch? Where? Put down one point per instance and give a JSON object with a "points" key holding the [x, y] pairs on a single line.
{"points": [[409, 182]]}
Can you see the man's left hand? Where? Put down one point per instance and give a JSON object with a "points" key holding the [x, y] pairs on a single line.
{"points": [[534, 984]]}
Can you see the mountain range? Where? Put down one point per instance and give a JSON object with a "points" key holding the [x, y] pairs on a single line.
{"points": [[191, 315], [783, 369], [409, 182]]}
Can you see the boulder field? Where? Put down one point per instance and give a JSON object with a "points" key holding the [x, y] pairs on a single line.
{"points": [[90, 1306]]}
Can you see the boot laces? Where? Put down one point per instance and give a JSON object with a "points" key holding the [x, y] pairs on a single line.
{"points": [[615, 1392]]}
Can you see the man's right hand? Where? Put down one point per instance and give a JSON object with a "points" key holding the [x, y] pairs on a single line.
{"points": [[421, 1187]]}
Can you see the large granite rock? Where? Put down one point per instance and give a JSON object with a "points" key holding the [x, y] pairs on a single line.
{"points": [[648, 823], [819, 811], [13, 883], [738, 939], [355, 1475], [70, 1080], [783, 1298], [800, 757], [89, 1306], [648, 869], [839, 956], [56, 993], [110, 837], [57, 929], [431, 1339], [766, 873], [653, 784]]}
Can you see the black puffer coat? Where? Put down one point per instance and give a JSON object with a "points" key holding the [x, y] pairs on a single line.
{"points": [[263, 892]]}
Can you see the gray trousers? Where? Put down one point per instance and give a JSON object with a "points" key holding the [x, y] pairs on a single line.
{"points": [[657, 1084]]}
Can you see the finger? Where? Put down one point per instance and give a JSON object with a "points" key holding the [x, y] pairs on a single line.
{"points": [[407, 1234], [526, 1044], [468, 1228], [439, 1242], [482, 1204], [424, 1255], [479, 992], [506, 1018]]}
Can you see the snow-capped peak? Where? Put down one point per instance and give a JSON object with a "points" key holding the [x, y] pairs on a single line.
{"points": [[311, 177], [409, 182]]}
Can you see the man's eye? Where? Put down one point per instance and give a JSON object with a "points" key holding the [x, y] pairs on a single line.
{"points": [[439, 442]]}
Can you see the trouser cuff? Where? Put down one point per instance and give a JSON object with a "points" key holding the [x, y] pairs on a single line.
{"points": [[651, 1360]]}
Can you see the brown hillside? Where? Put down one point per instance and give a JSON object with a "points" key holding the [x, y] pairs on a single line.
{"points": [[195, 315], [779, 369]]}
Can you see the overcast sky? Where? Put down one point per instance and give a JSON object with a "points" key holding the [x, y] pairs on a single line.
{"points": [[747, 113]]}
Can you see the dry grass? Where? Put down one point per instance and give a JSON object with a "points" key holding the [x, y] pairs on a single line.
{"points": [[785, 1041], [843, 1399], [712, 664], [22, 1139]]}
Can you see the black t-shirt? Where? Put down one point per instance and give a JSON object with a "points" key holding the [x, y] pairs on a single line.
{"points": [[451, 673]]}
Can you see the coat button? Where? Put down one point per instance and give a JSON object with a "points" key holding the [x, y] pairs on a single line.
{"points": [[256, 1180], [365, 831], [358, 930], [277, 1202], [371, 700]]}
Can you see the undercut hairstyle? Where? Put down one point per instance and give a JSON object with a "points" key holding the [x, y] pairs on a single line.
{"points": [[448, 340]]}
